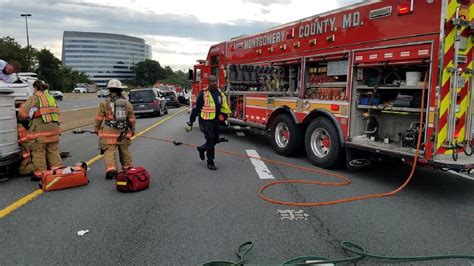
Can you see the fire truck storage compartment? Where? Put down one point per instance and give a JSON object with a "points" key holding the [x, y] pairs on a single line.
{"points": [[236, 104], [276, 79], [386, 105], [326, 80]]}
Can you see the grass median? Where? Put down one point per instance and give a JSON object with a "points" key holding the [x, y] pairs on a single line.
{"points": [[75, 118]]}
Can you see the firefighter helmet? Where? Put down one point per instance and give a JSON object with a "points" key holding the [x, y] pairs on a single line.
{"points": [[114, 83]]}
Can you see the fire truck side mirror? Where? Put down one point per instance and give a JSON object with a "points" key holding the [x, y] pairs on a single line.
{"points": [[190, 75]]}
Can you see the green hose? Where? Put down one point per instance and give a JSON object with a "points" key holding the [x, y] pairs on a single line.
{"points": [[242, 250], [358, 251]]}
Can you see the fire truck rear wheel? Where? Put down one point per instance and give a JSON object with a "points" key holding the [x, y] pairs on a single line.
{"points": [[286, 136], [322, 143]]}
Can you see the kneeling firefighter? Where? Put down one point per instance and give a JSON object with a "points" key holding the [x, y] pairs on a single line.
{"points": [[26, 167], [43, 134], [115, 125]]}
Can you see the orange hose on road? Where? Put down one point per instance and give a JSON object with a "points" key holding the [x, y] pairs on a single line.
{"points": [[345, 180], [351, 199]]}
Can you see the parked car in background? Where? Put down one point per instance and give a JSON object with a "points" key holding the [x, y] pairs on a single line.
{"points": [[57, 95], [103, 93], [84, 87], [183, 97], [170, 97], [91, 88], [147, 101], [79, 90]]}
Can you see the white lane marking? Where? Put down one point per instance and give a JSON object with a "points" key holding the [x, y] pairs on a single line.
{"points": [[260, 167], [77, 109], [240, 134], [237, 127]]}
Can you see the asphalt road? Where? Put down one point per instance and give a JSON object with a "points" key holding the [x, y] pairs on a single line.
{"points": [[191, 215], [78, 102]]}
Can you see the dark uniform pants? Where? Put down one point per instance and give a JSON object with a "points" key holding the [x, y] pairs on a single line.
{"points": [[211, 133]]}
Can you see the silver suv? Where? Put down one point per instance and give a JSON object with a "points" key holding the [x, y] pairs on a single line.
{"points": [[102, 93]]}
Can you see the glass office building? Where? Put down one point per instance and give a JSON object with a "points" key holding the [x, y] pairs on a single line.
{"points": [[104, 56]]}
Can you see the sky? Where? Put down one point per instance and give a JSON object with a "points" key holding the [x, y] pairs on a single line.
{"points": [[179, 31]]}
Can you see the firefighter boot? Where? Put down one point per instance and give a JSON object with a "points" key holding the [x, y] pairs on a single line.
{"points": [[201, 151], [109, 159], [211, 165], [110, 175]]}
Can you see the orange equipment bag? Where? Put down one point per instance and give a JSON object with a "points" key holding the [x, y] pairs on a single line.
{"points": [[64, 177]]}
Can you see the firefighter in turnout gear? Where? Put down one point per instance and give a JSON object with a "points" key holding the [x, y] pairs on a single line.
{"points": [[26, 166], [212, 109], [115, 125], [43, 134]]}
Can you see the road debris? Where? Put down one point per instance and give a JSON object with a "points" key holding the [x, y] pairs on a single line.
{"points": [[82, 232]]}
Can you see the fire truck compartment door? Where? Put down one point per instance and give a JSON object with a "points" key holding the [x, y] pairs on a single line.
{"points": [[409, 53]]}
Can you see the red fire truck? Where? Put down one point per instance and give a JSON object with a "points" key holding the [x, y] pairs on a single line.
{"points": [[354, 80]]}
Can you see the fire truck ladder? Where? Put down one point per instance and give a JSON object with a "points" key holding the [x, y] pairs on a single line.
{"points": [[451, 141]]}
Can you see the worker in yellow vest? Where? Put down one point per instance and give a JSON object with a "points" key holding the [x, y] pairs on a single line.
{"points": [[211, 107], [43, 134], [115, 126]]}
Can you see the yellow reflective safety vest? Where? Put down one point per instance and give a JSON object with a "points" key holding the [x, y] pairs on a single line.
{"points": [[40, 130], [47, 107], [208, 110], [225, 109]]}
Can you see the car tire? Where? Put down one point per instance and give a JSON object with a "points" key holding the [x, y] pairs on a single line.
{"points": [[322, 143]]}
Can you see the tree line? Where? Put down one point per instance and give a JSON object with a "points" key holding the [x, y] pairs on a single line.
{"points": [[42, 62], [63, 78], [148, 72]]}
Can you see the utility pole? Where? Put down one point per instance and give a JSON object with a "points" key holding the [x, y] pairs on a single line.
{"points": [[27, 40]]}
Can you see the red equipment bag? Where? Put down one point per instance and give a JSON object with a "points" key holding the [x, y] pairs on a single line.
{"points": [[64, 177], [133, 179]]}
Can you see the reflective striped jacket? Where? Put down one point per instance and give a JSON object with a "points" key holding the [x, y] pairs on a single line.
{"points": [[40, 131]]}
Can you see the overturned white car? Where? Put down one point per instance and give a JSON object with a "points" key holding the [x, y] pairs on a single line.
{"points": [[11, 96]]}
